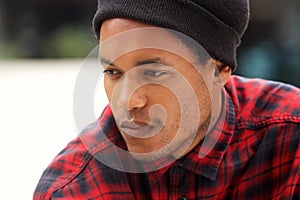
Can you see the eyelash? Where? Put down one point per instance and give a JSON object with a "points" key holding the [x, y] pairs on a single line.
{"points": [[148, 74], [112, 72], [154, 73]]}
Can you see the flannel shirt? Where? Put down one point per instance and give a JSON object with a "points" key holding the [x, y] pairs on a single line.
{"points": [[257, 155]]}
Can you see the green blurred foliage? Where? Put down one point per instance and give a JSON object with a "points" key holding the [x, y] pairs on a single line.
{"points": [[66, 42], [9, 50], [69, 42]]}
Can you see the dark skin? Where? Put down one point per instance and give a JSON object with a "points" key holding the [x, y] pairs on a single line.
{"points": [[139, 103]]}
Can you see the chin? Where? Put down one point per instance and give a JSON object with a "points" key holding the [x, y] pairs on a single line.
{"points": [[151, 156], [171, 150], [143, 153]]}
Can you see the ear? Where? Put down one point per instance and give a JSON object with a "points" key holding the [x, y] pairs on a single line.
{"points": [[223, 72]]}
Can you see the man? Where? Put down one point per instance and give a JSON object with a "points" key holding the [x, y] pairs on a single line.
{"points": [[179, 126]]}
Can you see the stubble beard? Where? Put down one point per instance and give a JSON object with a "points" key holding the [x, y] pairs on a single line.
{"points": [[176, 148]]}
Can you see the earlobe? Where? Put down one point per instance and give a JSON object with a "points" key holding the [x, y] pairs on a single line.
{"points": [[222, 73]]}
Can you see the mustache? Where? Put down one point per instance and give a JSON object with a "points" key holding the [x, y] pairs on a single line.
{"points": [[155, 116], [139, 122], [140, 129]]}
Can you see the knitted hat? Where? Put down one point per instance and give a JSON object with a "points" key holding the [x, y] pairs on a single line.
{"points": [[217, 25]]}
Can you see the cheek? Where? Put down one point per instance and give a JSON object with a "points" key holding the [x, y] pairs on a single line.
{"points": [[204, 99], [165, 97], [169, 102], [109, 88], [201, 90], [200, 82]]}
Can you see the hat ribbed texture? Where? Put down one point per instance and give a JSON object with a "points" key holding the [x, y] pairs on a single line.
{"points": [[217, 25]]}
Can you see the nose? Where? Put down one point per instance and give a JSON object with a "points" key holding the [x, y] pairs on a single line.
{"points": [[131, 96]]}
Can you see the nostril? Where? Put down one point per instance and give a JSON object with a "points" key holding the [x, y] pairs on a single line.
{"points": [[137, 101], [132, 102]]}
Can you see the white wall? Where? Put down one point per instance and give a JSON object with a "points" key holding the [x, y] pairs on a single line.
{"points": [[36, 120]]}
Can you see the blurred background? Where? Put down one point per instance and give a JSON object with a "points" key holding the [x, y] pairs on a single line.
{"points": [[42, 46], [34, 29]]}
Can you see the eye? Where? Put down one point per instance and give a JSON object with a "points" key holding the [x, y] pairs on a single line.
{"points": [[155, 75], [112, 73]]}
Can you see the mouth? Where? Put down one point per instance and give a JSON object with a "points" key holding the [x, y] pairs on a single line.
{"points": [[138, 129]]}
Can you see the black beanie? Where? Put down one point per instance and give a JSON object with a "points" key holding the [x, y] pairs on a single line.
{"points": [[217, 25]]}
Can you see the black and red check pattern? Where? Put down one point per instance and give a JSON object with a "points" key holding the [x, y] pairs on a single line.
{"points": [[257, 155]]}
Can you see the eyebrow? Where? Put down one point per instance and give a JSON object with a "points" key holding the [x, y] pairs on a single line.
{"points": [[106, 61], [155, 60]]}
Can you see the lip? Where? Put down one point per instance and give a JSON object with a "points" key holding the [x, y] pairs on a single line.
{"points": [[137, 129], [133, 124]]}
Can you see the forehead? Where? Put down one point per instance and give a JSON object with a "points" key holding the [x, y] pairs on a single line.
{"points": [[119, 36], [115, 26], [129, 32]]}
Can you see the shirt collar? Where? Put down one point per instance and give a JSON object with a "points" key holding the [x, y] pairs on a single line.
{"points": [[206, 158]]}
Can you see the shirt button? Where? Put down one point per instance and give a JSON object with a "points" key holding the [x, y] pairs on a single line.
{"points": [[182, 198]]}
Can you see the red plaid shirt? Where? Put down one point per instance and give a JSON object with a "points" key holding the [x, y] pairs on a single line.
{"points": [[257, 155]]}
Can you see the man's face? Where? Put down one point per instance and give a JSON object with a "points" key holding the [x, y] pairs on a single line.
{"points": [[159, 99]]}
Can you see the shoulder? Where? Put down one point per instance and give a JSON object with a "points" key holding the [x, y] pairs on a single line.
{"points": [[264, 101], [75, 157], [65, 166], [267, 135]]}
